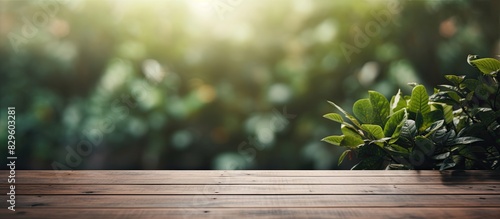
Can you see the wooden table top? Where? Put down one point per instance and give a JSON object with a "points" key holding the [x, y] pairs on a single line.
{"points": [[252, 194]]}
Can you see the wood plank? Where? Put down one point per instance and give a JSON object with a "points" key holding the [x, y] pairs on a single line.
{"points": [[252, 201], [267, 213], [254, 194], [255, 173], [166, 177], [478, 189], [152, 179]]}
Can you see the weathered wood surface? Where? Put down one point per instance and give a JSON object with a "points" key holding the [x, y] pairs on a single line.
{"points": [[253, 194]]}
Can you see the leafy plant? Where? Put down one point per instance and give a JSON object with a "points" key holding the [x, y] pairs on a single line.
{"points": [[458, 126]]}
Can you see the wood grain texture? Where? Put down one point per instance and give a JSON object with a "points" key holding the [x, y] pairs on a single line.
{"points": [[264, 213], [459, 189], [169, 178], [254, 194], [253, 201]]}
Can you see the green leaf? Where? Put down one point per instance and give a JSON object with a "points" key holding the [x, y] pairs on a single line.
{"points": [[425, 145], [342, 156], [396, 120], [446, 87], [363, 110], [397, 131], [441, 156], [481, 92], [470, 84], [448, 97], [349, 130], [486, 65], [380, 106], [334, 117], [374, 130], [448, 114], [447, 163], [346, 114], [419, 102], [435, 126], [453, 95], [351, 137], [372, 157], [397, 149], [397, 102], [486, 115], [333, 139], [419, 121], [396, 166], [441, 136], [407, 135], [456, 80], [469, 96], [380, 142], [461, 123], [430, 118], [464, 141]]}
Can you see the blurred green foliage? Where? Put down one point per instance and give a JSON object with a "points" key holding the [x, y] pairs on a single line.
{"points": [[223, 84]]}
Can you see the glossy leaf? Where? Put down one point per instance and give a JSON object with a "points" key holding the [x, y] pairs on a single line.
{"points": [[441, 156], [380, 106], [447, 164], [470, 84], [363, 111], [374, 130], [397, 149], [442, 136], [425, 145], [453, 95], [419, 121], [460, 122], [342, 156], [397, 103], [448, 97], [481, 92], [486, 65], [465, 140], [372, 158], [435, 126], [351, 137], [448, 114], [346, 114], [445, 87], [334, 117], [395, 122], [419, 102], [430, 118], [408, 132], [456, 80], [334, 139]]}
